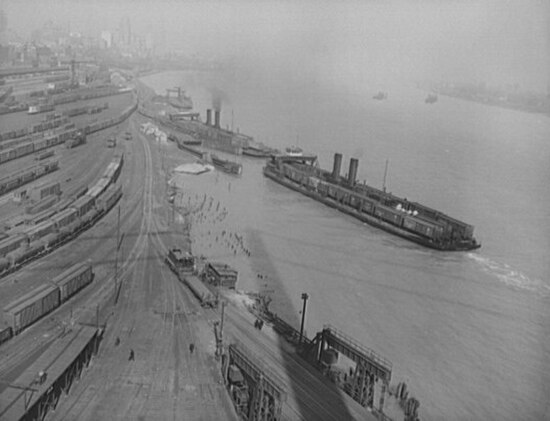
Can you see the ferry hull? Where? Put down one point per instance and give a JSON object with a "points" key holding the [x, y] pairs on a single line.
{"points": [[369, 219]]}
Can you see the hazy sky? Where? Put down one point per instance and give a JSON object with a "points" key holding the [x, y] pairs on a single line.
{"points": [[496, 41]]}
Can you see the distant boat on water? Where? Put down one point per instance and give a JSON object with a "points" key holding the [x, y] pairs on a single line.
{"points": [[430, 99], [380, 96]]}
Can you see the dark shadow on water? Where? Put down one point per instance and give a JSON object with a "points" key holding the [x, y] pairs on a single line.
{"points": [[272, 284]]}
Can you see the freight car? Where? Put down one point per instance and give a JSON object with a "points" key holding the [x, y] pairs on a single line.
{"points": [[183, 265], [6, 333], [29, 308], [72, 216], [11, 243], [108, 200], [44, 155], [197, 287], [73, 280], [25, 254], [16, 180], [35, 145]]}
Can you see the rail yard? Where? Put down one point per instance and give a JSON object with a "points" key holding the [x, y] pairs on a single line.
{"points": [[104, 319]]}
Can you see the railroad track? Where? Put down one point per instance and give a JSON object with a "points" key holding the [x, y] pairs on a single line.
{"points": [[80, 406], [170, 317]]}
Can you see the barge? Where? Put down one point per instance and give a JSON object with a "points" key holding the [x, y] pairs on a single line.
{"points": [[226, 165], [256, 152], [188, 148], [410, 220]]}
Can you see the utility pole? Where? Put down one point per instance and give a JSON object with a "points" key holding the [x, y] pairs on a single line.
{"points": [[385, 174], [304, 297], [221, 323], [116, 254]]}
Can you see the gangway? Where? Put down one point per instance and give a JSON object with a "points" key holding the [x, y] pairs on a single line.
{"points": [[267, 392], [370, 366]]}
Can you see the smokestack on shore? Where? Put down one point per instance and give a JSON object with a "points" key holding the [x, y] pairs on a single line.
{"points": [[217, 118], [337, 165], [208, 117], [352, 174]]}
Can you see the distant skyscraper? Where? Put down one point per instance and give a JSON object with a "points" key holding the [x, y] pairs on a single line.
{"points": [[149, 43], [3, 25], [125, 31], [107, 38]]}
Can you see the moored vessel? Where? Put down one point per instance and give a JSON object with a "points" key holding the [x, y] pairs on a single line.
{"points": [[256, 152], [410, 220], [226, 165]]}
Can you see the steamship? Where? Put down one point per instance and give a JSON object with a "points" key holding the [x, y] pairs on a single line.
{"points": [[410, 220]]}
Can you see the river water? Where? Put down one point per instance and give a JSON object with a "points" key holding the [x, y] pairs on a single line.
{"points": [[468, 332]]}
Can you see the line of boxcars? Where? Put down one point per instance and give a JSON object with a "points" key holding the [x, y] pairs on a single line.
{"points": [[27, 309], [49, 124], [50, 231], [85, 94], [55, 139], [15, 180]]}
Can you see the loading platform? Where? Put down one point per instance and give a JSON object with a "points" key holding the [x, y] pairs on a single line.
{"points": [[38, 389]]}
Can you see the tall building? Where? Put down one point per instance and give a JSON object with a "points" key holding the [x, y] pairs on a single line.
{"points": [[107, 38]]}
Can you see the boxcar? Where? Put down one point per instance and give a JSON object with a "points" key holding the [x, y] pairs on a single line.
{"points": [[11, 243], [5, 334], [83, 205], [73, 280], [40, 230], [32, 306], [65, 217]]}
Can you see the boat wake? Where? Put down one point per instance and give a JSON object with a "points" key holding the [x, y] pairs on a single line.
{"points": [[510, 276]]}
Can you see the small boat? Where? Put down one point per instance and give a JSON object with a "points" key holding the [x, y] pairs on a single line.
{"points": [[380, 96], [430, 99], [227, 166]]}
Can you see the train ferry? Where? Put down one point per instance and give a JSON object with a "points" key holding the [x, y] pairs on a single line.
{"points": [[410, 220]]}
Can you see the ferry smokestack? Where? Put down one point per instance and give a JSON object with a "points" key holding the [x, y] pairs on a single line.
{"points": [[217, 118], [352, 174], [337, 165], [208, 117]]}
